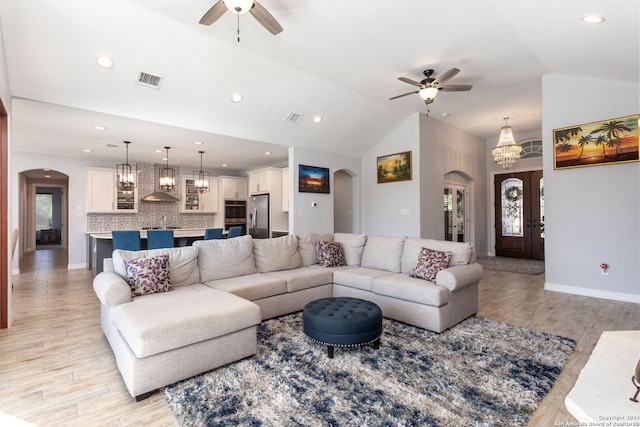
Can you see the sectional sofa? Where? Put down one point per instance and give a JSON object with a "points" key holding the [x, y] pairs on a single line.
{"points": [[222, 289]]}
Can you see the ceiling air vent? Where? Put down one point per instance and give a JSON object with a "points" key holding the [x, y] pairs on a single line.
{"points": [[112, 146], [149, 80], [294, 118]]}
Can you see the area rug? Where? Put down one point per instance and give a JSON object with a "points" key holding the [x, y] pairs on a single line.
{"points": [[478, 373], [512, 265]]}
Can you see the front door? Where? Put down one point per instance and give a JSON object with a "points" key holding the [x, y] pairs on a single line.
{"points": [[519, 199]]}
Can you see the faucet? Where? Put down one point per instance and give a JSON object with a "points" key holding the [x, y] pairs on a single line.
{"points": [[163, 223]]}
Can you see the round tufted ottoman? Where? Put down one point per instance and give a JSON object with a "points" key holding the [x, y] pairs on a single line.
{"points": [[343, 322]]}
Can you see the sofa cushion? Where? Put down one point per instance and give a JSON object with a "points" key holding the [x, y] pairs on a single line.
{"points": [[359, 278], [220, 259], [410, 289], [148, 275], [156, 323], [307, 246], [252, 287], [330, 254], [352, 247], [303, 278], [429, 263], [461, 253], [280, 253], [183, 263], [383, 253]]}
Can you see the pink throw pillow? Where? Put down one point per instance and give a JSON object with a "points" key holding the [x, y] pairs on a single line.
{"points": [[429, 263], [148, 275]]}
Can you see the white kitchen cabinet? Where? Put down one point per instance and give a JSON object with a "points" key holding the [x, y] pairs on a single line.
{"points": [[193, 202], [103, 195], [260, 181], [285, 189], [234, 188]]}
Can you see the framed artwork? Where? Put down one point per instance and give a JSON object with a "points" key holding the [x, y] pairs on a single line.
{"points": [[599, 143], [394, 167], [313, 179]]}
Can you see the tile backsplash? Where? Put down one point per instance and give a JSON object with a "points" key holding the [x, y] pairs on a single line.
{"points": [[149, 213]]}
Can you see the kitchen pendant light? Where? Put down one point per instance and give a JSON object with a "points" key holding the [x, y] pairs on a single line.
{"points": [[201, 178], [126, 173], [508, 150], [167, 175]]}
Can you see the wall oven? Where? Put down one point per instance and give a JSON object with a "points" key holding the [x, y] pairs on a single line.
{"points": [[235, 214]]}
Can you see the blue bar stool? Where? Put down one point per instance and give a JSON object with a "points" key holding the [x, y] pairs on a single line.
{"points": [[127, 240], [234, 232], [157, 239], [213, 233]]}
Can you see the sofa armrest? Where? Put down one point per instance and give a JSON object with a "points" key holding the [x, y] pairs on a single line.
{"points": [[459, 276], [111, 289]]}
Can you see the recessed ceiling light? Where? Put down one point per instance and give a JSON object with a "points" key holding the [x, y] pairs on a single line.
{"points": [[445, 114], [198, 142], [104, 61], [317, 119], [86, 150], [98, 127], [224, 165], [236, 97], [593, 19], [268, 153], [158, 151]]}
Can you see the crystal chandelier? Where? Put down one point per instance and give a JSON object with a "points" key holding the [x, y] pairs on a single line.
{"points": [[167, 175], [201, 178], [126, 173], [508, 150]]}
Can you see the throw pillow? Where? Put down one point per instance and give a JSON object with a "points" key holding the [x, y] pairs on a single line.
{"points": [[148, 275], [330, 254], [429, 263]]}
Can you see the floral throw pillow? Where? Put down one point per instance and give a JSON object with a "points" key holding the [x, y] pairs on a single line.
{"points": [[148, 275], [429, 263], [330, 254]]}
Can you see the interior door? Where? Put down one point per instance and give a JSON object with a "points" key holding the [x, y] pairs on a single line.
{"points": [[455, 218], [519, 222]]}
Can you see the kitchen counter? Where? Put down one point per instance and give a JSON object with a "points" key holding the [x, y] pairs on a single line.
{"points": [[100, 244]]}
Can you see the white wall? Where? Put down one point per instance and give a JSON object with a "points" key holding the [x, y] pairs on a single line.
{"points": [[303, 217], [393, 209], [591, 213]]}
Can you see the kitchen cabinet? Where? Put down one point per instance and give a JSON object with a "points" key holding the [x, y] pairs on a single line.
{"points": [[260, 180], [285, 189], [193, 202], [234, 188], [103, 196]]}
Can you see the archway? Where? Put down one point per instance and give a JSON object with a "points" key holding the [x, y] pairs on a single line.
{"points": [[343, 201], [457, 208]]}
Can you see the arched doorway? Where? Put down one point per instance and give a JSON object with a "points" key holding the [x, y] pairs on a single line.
{"points": [[457, 203], [44, 210], [343, 201]]}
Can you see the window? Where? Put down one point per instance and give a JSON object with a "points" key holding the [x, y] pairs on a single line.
{"points": [[44, 211]]}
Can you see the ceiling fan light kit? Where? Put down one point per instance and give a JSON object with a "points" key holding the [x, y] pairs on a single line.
{"points": [[428, 93], [508, 150], [429, 87], [239, 6]]}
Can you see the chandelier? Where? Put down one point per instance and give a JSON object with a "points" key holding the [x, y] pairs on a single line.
{"points": [[201, 178], [167, 175], [508, 150], [126, 173]]}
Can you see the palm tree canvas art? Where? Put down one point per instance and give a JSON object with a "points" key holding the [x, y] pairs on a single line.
{"points": [[394, 167], [598, 143]]}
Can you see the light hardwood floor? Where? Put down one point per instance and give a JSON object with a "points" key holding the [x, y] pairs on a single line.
{"points": [[56, 367]]}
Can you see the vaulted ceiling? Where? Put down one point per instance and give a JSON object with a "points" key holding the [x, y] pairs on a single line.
{"points": [[336, 59]]}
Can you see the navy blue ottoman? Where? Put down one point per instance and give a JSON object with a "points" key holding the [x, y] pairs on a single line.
{"points": [[343, 322]]}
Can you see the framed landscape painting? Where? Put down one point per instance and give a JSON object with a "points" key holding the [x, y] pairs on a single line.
{"points": [[599, 143], [394, 167], [313, 179]]}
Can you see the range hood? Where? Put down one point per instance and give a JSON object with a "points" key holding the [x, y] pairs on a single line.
{"points": [[159, 195]]}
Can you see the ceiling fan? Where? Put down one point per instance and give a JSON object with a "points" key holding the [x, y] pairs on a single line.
{"points": [[430, 86], [239, 7]]}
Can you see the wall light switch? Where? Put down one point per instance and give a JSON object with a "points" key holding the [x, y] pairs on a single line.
{"points": [[404, 212]]}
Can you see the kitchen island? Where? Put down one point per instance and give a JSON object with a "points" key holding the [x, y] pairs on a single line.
{"points": [[100, 244]]}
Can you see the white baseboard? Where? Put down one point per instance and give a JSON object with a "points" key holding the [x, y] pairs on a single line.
{"points": [[596, 293], [76, 266]]}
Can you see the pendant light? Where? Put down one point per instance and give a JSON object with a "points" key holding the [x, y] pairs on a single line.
{"points": [[167, 175], [126, 173], [508, 150], [201, 178]]}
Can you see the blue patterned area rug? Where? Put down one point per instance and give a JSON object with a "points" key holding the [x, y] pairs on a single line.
{"points": [[478, 373]]}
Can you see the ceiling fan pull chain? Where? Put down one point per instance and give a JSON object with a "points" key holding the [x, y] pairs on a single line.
{"points": [[238, 28]]}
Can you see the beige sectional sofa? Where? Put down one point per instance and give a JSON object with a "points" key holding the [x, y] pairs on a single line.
{"points": [[222, 289]]}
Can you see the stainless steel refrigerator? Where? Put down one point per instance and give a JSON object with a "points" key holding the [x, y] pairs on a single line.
{"points": [[259, 216]]}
